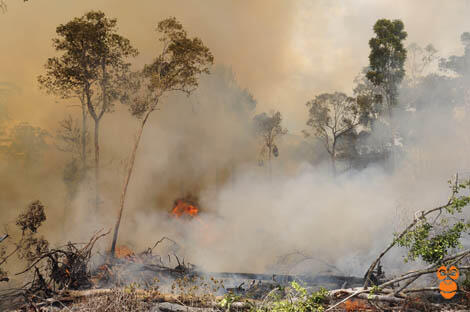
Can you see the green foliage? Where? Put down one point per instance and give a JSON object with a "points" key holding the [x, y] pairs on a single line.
{"points": [[432, 241], [227, 301], [387, 57], [432, 248], [297, 300], [177, 68], [374, 290], [92, 61], [182, 61], [91, 67]]}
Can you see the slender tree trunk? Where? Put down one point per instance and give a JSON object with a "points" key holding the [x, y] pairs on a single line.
{"points": [[97, 164], [270, 164], [333, 165], [84, 131], [130, 169], [333, 158], [390, 102]]}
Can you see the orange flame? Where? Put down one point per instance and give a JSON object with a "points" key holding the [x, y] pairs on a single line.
{"points": [[182, 208]]}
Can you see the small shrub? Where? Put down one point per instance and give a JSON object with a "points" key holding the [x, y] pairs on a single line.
{"points": [[297, 299]]}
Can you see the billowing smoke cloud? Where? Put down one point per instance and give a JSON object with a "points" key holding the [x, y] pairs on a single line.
{"points": [[284, 55]]}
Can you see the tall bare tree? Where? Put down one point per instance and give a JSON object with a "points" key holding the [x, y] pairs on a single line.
{"points": [[269, 129], [177, 68], [91, 66], [331, 117]]}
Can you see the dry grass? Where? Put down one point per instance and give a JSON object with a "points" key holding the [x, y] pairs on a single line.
{"points": [[125, 300]]}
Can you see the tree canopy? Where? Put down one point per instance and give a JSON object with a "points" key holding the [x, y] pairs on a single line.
{"points": [[333, 116], [91, 67], [387, 58]]}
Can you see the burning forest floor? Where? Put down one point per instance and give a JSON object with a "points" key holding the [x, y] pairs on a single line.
{"points": [[142, 282], [73, 277]]}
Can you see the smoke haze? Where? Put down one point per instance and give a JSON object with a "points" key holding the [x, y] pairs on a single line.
{"points": [[274, 56]]}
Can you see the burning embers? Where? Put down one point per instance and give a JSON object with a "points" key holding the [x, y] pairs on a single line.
{"points": [[186, 207]]}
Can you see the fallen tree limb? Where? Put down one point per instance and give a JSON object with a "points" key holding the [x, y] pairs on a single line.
{"points": [[385, 298], [384, 295], [431, 269], [408, 283], [403, 233], [453, 202], [364, 293]]}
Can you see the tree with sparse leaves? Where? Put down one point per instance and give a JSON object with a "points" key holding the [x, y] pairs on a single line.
{"points": [[69, 141], [419, 59], [269, 129], [91, 67], [177, 68], [332, 117]]}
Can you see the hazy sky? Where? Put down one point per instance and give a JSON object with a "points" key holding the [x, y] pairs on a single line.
{"points": [[285, 52]]}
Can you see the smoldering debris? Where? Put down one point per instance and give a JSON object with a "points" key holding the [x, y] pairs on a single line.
{"points": [[64, 277]]}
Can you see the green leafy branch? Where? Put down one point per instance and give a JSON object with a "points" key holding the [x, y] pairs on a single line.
{"points": [[424, 239]]}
